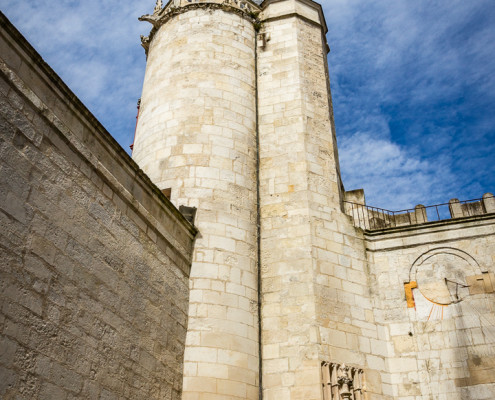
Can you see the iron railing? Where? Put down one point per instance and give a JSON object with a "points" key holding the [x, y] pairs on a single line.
{"points": [[374, 218]]}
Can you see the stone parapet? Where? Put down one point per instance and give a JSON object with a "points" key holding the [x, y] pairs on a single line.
{"points": [[373, 218], [489, 202]]}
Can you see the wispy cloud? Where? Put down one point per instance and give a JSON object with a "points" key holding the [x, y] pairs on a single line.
{"points": [[95, 47], [412, 81], [413, 96], [384, 168]]}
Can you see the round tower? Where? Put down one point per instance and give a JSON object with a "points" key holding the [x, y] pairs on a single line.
{"points": [[196, 135]]}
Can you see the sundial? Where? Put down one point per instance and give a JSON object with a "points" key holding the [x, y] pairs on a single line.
{"points": [[442, 283], [444, 277]]}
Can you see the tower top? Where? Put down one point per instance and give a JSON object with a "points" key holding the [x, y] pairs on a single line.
{"points": [[246, 8]]}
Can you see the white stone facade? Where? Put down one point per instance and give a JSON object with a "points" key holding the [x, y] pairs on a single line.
{"points": [[442, 347], [288, 293]]}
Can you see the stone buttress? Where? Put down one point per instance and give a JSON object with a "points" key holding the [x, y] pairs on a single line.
{"points": [[315, 302]]}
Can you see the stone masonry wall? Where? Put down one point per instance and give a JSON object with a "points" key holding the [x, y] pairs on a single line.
{"points": [[440, 342], [95, 261]]}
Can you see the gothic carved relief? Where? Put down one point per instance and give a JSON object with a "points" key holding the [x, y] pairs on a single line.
{"points": [[145, 42], [158, 7], [341, 382]]}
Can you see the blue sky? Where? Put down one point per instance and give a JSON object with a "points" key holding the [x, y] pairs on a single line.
{"points": [[413, 85]]}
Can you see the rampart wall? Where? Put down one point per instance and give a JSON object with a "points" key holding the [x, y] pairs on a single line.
{"points": [[95, 261]]}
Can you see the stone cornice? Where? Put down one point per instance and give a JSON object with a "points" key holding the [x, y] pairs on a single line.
{"points": [[417, 235], [244, 8], [309, 3], [428, 226]]}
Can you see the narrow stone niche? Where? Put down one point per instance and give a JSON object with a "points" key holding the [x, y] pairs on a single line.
{"points": [[341, 382]]}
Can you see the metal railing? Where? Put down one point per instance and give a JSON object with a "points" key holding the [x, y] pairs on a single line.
{"points": [[374, 218]]}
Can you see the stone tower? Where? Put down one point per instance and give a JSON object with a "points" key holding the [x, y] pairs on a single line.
{"points": [[236, 119], [197, 135]]}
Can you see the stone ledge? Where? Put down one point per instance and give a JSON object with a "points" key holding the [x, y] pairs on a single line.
{"points": [[433, 232], [429, 225]]}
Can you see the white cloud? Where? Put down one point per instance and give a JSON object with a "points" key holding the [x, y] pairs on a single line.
{"points": [[413, 93], [95, 47], [411, 127], [392, 177]]}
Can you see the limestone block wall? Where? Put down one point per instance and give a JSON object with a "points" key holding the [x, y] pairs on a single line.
{"points": [[349, 331], [95, 261], [197, 136], [434, 288], [288, 207], [316, 304]]}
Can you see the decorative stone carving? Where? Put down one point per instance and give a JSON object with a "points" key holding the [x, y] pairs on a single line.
{"points": [[345, 381], [158, 7], [162, 15], [145, 42], [341, 382]]}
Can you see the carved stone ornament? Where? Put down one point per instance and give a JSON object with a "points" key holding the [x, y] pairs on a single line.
{"points": [[161, 15], [153, 19], [341, 382], [145, 42], [158, 7]]}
